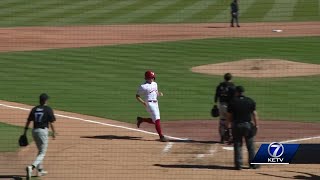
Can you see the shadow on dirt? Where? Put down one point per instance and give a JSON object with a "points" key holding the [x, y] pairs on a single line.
{"points": [[302, 175], [190, 166], [193, 141], [14, 177], [215, 27], [111, 137]]}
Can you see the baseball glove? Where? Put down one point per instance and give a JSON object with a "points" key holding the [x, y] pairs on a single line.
{"points": [[215, 111], [23, 140]]}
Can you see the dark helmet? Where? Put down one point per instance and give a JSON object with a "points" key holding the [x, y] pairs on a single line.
{"points": [[227, 76], [149, 75]]}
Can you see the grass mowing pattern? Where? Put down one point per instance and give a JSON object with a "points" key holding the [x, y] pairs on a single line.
{"points": [[76, 12], [9, 136], [308, 9], [102, 81]]}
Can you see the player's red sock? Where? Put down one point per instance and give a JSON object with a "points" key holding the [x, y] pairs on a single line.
{"points": [[148, 120], [158, 127]]}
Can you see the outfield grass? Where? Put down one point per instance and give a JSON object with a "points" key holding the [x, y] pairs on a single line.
{"points": [[9, 136], [57, 12], [102, 81]]}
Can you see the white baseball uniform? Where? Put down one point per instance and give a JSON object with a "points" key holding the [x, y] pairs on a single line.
{"points": [[149, 91]]}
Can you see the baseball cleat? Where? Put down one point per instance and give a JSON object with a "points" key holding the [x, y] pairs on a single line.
{"points": [[254, 166], [222, 140], [42, 173], [29, 172], [163, 139], [139, 121]]}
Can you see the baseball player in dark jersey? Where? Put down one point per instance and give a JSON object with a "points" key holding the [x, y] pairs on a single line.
{"points": [[42, 116], [224, 93], [234, 13], [243, 119]]}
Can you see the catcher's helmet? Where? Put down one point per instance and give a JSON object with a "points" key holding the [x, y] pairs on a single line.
{"points": [[149, 75]]}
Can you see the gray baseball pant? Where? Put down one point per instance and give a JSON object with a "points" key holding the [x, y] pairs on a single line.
{"points": [[40, 137]]}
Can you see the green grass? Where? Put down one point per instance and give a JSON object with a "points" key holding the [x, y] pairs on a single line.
{"points": [[307, 8], [102, 81], [9, 136], [75, 12], [258, 10]]}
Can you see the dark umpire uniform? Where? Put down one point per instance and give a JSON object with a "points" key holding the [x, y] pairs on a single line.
{"points": [[234, 13], [243, 117]]}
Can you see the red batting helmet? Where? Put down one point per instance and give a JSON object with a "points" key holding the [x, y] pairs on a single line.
{"points": [[149, 75]]}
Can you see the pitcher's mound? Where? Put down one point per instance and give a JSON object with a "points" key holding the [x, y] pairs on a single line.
{"points": [[260, 68]]}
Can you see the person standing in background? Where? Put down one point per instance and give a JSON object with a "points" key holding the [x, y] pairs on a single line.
{"points": [[234, 13]]}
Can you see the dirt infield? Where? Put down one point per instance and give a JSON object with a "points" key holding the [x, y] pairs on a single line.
{"points": [[260, 68], [88, 150], [107, 149], [40, 38]]}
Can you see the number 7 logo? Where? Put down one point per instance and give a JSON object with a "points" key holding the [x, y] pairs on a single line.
{"points": [[38, 116], [274, 149]]}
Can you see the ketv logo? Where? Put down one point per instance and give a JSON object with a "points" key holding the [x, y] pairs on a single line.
{"points": [[275, 153], [275, 150]]}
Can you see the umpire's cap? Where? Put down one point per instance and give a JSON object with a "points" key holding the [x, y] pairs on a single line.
{"points": [[43, 98], [240, 89]]}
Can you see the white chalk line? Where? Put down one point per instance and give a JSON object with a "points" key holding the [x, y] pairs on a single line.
{"points": [[211, 151], [282, 142], [228, 148], [167, 148], [97, 122], [299, 140]]}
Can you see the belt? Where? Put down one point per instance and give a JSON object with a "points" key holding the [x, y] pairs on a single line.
{"points": [[153, 101], [241, 123], [41, 128]]}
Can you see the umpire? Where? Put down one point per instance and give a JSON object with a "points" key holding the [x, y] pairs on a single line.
{"points": [[234, 13], [243, 117], [224, 93]]}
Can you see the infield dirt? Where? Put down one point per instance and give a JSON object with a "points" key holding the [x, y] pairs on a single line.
{"points": [[260, 68], [40, 38]]}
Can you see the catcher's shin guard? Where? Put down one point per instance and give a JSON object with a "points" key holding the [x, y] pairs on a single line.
{"points": [[222, 130]]}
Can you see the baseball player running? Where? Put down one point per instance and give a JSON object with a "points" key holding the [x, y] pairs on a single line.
{"points": [[149, 91], [42, 116]]}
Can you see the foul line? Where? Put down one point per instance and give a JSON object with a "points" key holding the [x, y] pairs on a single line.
{"points": [[302, 139], [212, 150], [167, 147], [97, 122]]}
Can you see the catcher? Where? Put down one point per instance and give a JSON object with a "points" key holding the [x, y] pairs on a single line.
{"points": [[224, 94]]}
